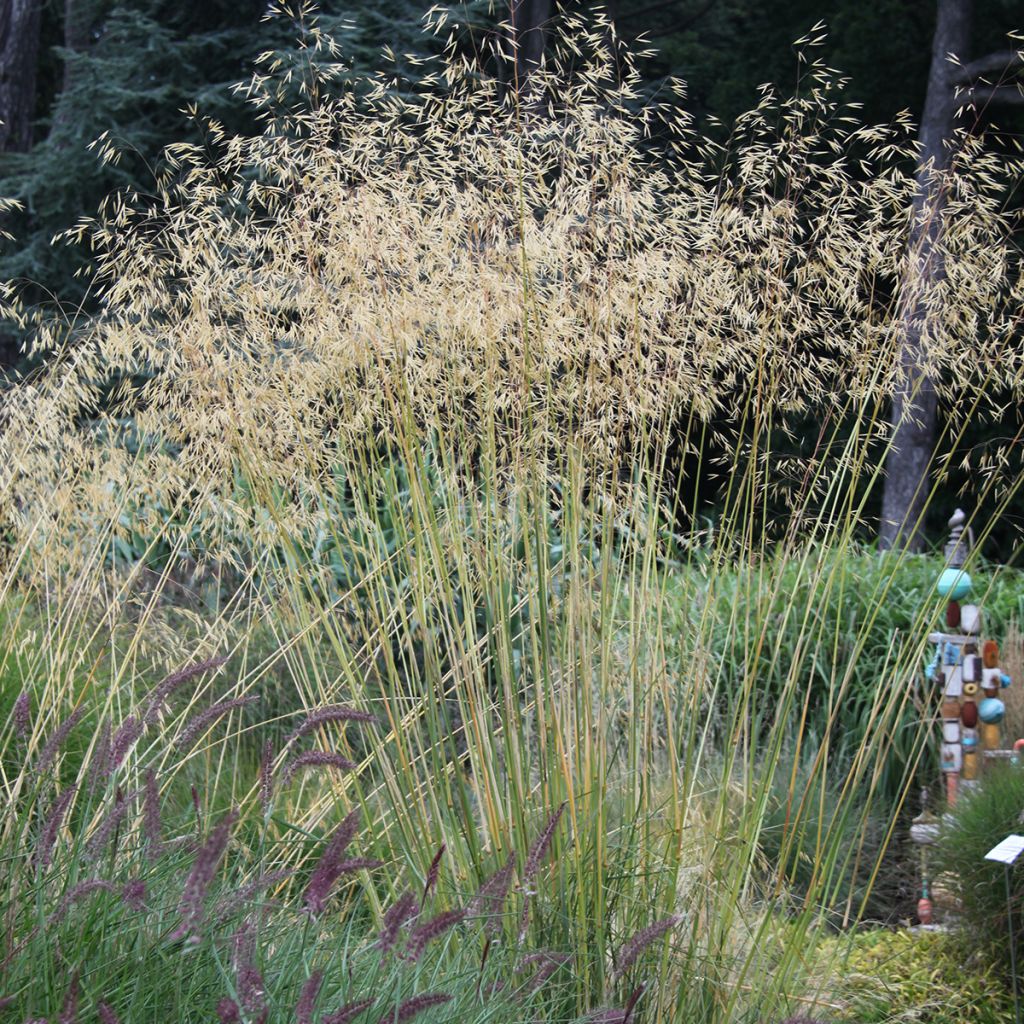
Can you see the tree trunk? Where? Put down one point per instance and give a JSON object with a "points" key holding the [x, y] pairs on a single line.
{"points": [[913, 415], [19, 50], [529, 19]]}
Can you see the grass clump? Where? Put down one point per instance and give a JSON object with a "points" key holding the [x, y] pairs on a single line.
{"points": [[426, 458]]}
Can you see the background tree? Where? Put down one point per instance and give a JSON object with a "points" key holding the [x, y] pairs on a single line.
{"points": [[19, 49]]}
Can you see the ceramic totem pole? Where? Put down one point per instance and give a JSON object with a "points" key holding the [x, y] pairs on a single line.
{"points": [[967, 669]]}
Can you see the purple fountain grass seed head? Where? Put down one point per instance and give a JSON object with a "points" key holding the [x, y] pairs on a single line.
{"points": [[317, 759], [51, 826], [198, 723], [69, 1011], [240, 897], [404, 909], [159, 694], [99, 762], [6, 1002], [22, 715], [228, 1011], [152, 825], [437, 926], [111, 822], [267, 776], [490, 898], [539, 850], [307, 998], [326, 873], [324, 715], [106, 1014], [133, 894], [433, 871], [76, 894], [347, 1013], [415, 1006], [124, 739], [640, 941], [198, 882], [56, 741]]}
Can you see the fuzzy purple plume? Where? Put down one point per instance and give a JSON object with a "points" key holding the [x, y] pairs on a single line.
{"points": [[124, 739], [639, 942], [198, 882], [415, 1006], [317, 759], [405, 908], [347, 1013], [267, 776], [99, 762], [539, 850], [160, 693], [330, 713], [198, 723], [328, 869], [546, 962], [430, 930], [249, 985], [52, 825], [69, 1011], [99, 840], [307, 998], [432, 872], [490, 899], [133, 895], [22, 715], [106, 1014], [228, 1011], [56, 741], [152, 826], [75, 895]]}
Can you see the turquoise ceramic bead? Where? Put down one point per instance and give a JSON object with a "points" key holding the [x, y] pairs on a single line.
{"points": [[991, 710], [954, 584]]}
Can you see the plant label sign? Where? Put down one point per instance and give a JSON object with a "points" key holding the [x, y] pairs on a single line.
{"points": [[1007, 851]]}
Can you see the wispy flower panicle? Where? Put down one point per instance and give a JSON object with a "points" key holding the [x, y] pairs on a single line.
{"points": [[490, 899], [242, 896], [317, 759], [328, 869], [198, 882], [307, 998], [330, 713], [415, 1006], [347, 1013], [22, 715], [111, 822], [228, 1011], [267, 776], [404, 909], [198, 723], [56, 741], [99, 762], [639, 942], [158, 696], [539, 850], [152, 826], [437, 926], [249, 984], [51, 826], [547, 962], [432, 872], [133, 894], [124, 739], [76, 894], [69, 1011], [106, 1014]]}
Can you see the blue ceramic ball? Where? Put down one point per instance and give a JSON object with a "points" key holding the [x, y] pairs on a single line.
{"points": [[954, 584], [991, 710]]}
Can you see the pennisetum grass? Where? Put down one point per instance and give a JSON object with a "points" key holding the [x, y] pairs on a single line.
{"points": [[445, 468]]}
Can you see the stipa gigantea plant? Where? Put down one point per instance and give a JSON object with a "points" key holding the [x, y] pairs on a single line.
{"points": [[430, 454]]}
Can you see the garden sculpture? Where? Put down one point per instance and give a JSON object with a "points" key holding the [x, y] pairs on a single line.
{"points": [[967, 669]]}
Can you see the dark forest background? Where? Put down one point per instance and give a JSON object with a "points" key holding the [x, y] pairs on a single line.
{"points": [[72, 70]]}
